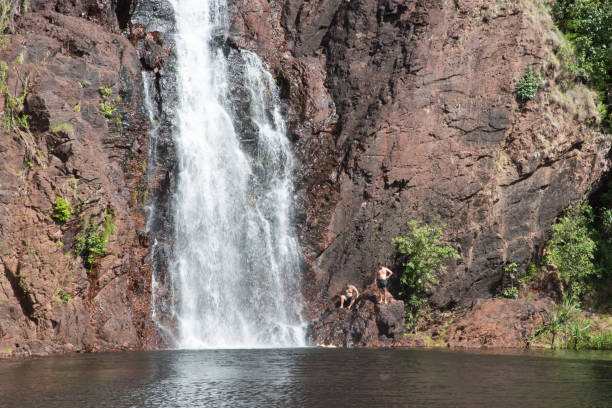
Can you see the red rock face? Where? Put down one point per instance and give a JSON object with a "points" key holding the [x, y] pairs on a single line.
{"points": [[398, 110], [49, 300], [406, 110], [500, 323]]}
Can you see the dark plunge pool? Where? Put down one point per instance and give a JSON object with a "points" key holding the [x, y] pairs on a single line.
{"points": [[336, 378]]}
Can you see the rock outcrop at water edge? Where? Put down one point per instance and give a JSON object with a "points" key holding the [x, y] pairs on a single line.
{"points": [[367, 323]]}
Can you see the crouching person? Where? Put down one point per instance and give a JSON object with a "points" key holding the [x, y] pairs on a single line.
{"points": [[349, 294]]}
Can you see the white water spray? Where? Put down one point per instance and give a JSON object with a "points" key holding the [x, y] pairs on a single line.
{"points": [[236, 258]]}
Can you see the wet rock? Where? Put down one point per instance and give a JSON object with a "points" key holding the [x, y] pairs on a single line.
{"points": [[367, 324], [152, 54]]}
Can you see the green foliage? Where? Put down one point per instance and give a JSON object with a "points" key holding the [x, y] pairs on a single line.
{"points": [[587, 24], [6, 17], [530, 274], [108, 106], [424, 258], [62, 210], [511, 293], [511, 272], [528, 85], [105, 92], [568, 329], [62, 127], [598, 341], [557, 320], [571, 250], [108, 109], [62, 297], [13, 117], [91, 242]]}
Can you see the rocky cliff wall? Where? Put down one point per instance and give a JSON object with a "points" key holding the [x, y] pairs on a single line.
{"points": [[51, 299], [406, 110], [397, 110]]}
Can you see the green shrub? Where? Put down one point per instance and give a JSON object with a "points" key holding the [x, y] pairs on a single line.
{"points": [[587, 24], [511, 293], [62, 297], [62, 210], [105, 92], [567, 328], [62, 127], [558, 320], [511, 273], [424, 258], [7, 14], [108, 109], [599, 341], [530, 274], [108, 106], [571, 250], [528, 85], [91, 242], [12, 117]]}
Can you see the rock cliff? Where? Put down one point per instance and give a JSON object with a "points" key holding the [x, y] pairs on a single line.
{"points": [[69, 59], [398, 110], [406, 110]]}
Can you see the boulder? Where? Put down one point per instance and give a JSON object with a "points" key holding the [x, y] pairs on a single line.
{"points": [[366, 324]]}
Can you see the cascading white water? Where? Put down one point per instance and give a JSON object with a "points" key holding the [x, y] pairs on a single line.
{"points": [[236, 258]]}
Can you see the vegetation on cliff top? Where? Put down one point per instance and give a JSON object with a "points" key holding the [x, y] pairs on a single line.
{"points": [[587, 24]]}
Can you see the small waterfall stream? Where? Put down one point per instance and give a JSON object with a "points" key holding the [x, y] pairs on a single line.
{"points": [[235, 266]]}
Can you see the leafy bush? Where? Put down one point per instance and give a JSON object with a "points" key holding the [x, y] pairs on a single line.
{"points": [[571, 250], [573, 331], [109, 105], [558, 320], [511, 272], [108, 109], [528, 85], [511, 293], [587, 24], [62, 210], [424, 258], [530, 274], [91, 242]]}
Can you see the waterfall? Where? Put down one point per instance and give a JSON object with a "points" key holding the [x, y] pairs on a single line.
{"points": [[236, 263]]}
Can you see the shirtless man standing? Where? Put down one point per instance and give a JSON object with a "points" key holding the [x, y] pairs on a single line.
{"points": [[381, 279], [349, 294]]}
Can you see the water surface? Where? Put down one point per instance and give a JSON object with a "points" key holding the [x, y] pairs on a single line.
{"points": [[309, 378]]}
